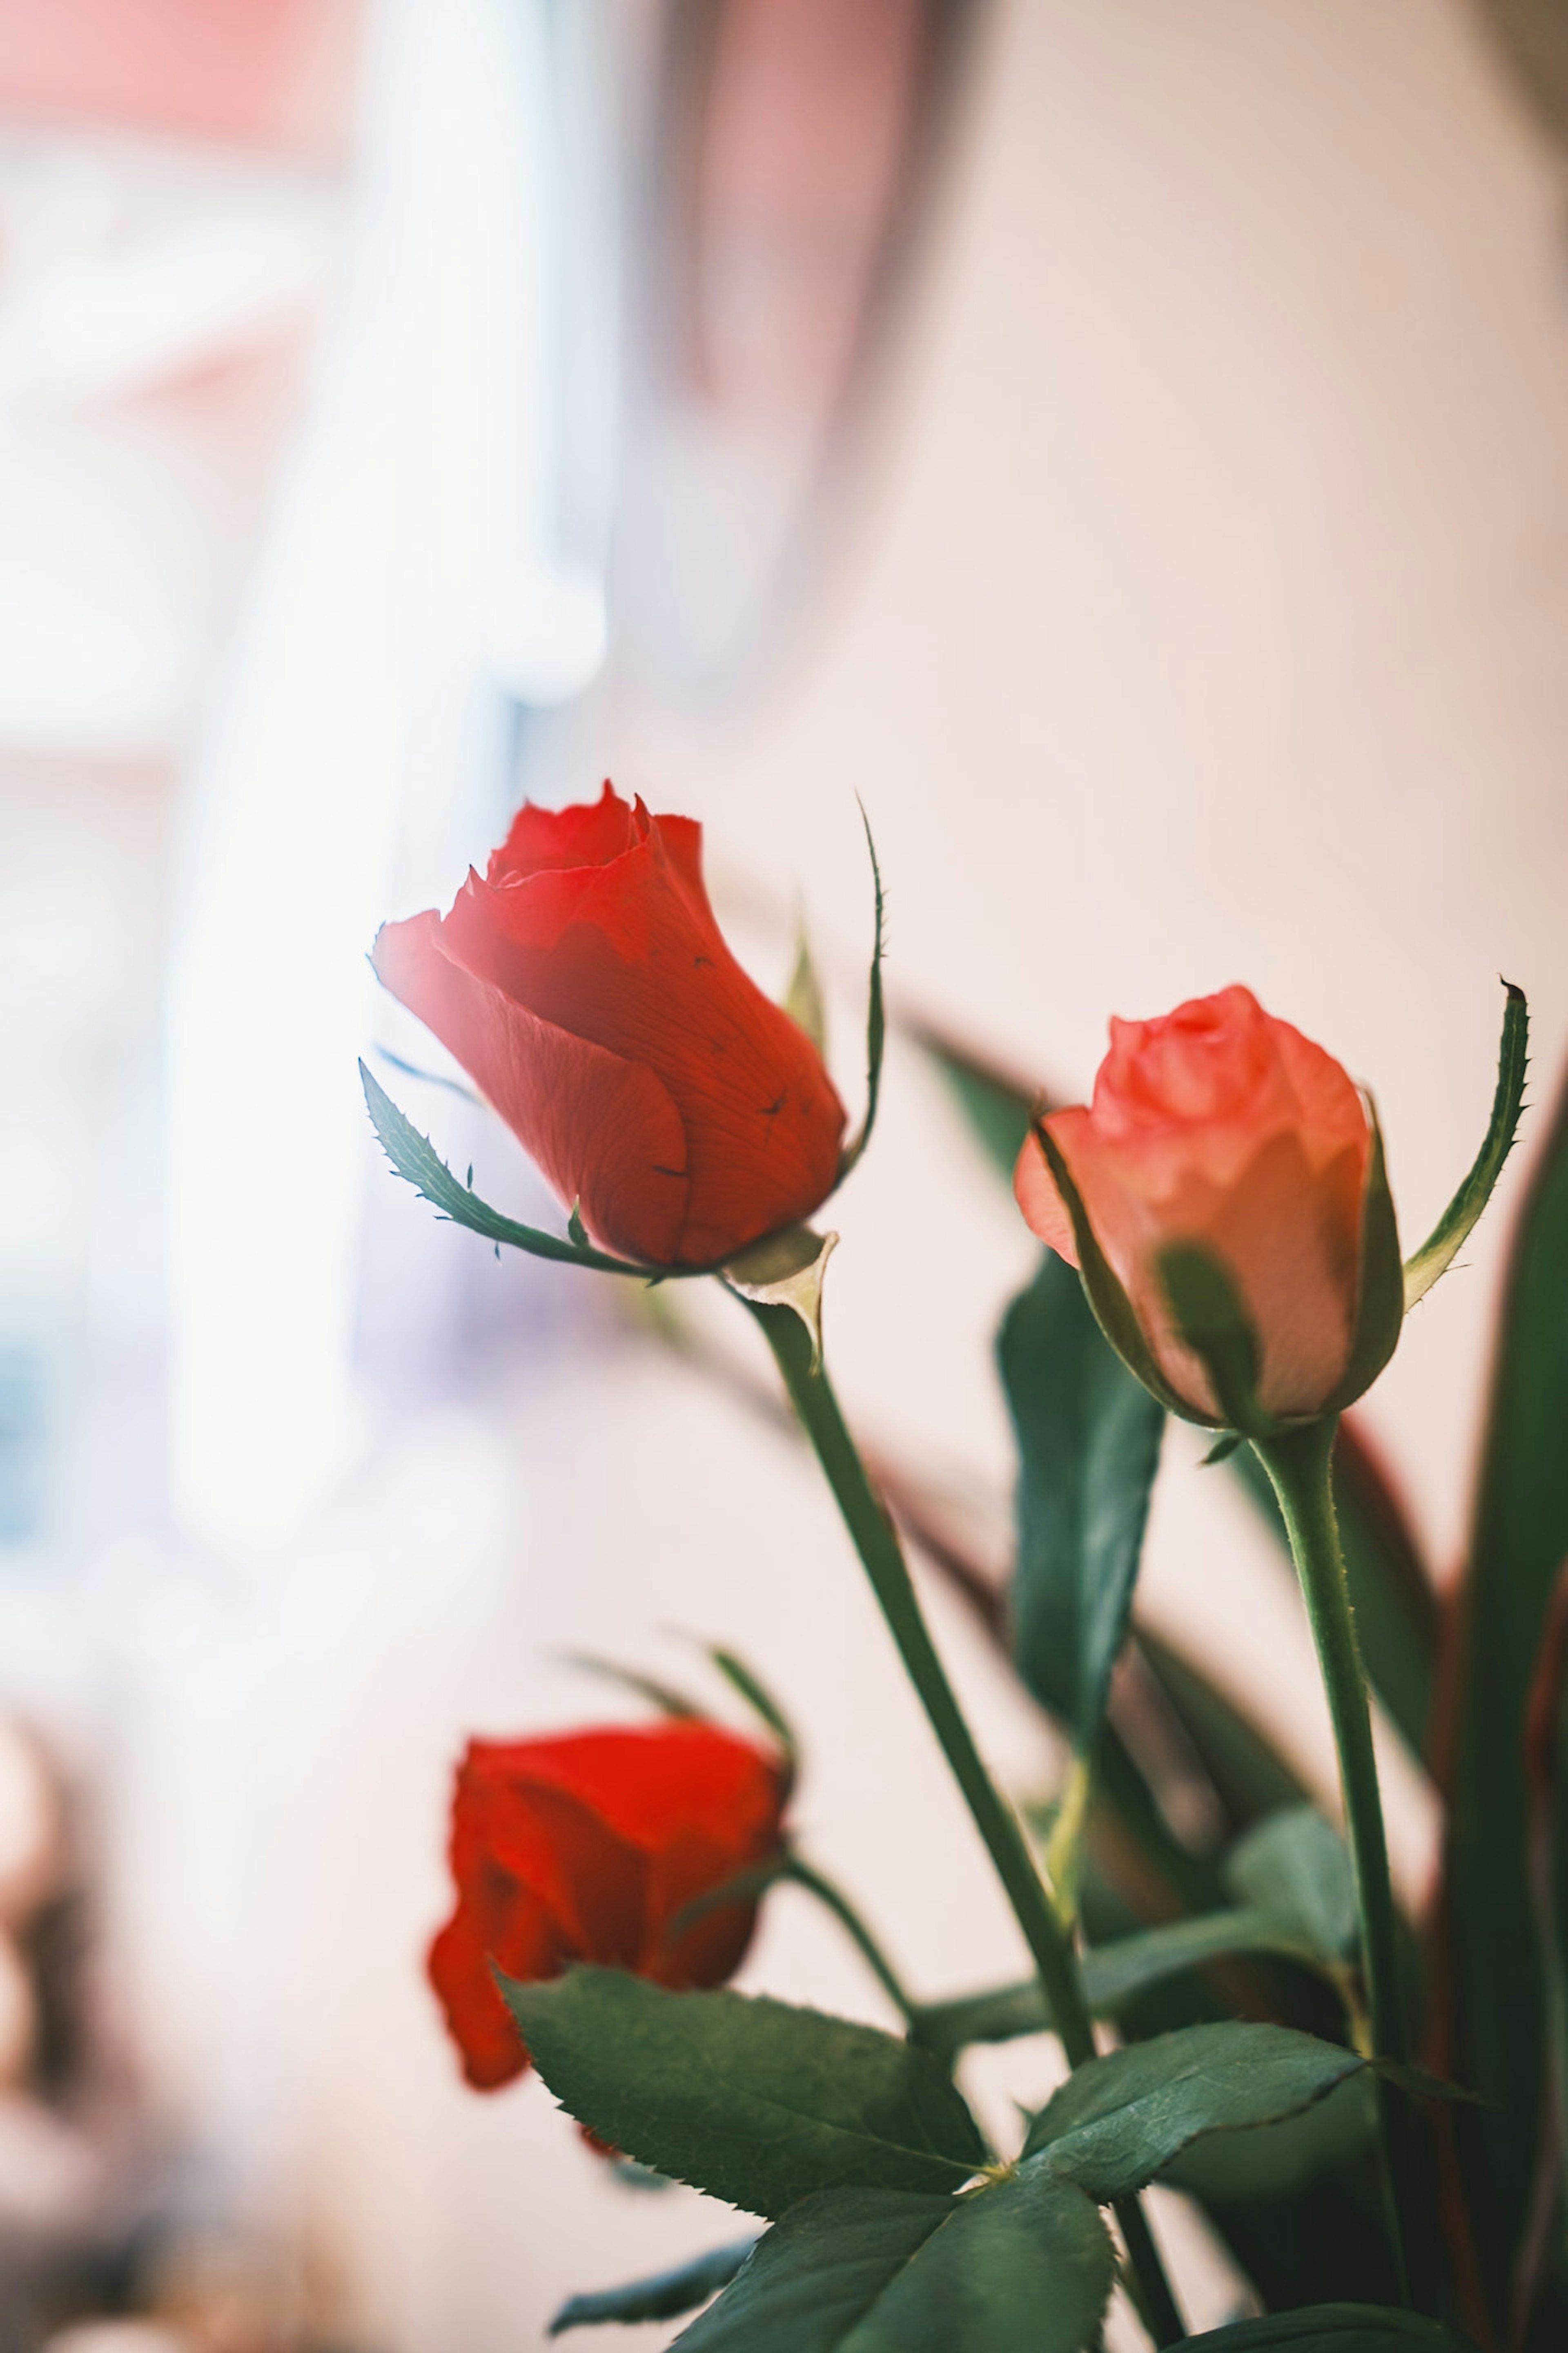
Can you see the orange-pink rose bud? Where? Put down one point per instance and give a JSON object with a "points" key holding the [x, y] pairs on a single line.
{"points": [[1221, 1128]]}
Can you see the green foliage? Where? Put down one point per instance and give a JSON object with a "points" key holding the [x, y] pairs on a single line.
{"points": [[1023, 2265], [876, 1018], [1112, 1308], [753, 2101], [1119, 2121], [419, 1164], [1088, 1444], [1518, 1543], [1250, 1776], [1114, 1974], [751, 1687], [663, 2297], [892, 2232], [1331, 2328], [746, 1887], [1448, 1237], [1380, 1306], [1280, 2162], [1294, 1869], [997, 1109], [1209, 1315], [664, 1696], [803, 998], [1543, 2283]]}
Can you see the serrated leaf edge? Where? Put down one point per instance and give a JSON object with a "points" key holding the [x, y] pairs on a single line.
{"points": [[1448, 1237]]}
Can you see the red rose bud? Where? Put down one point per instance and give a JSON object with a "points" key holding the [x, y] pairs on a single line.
{"points": [[586, 1847], [1223, 1130], [584, 986]]}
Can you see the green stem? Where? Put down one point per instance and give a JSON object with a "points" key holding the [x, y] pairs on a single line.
{"points": [[816, 1883], [1298, 1462], [874, 1540]]}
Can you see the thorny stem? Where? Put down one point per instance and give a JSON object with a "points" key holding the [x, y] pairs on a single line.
{"points": [[881, 1554], [1297, 1463], [805, 1874]]}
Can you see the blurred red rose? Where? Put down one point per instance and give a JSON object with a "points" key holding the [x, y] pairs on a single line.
{"points": [[1221, 1126], [585, 1848], [584, 985]]}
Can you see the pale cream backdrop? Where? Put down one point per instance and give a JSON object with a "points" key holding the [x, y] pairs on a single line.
{"points": [[1201, 614]]}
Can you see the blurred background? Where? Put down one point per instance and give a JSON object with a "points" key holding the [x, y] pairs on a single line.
{"points": [[1126, 446]]}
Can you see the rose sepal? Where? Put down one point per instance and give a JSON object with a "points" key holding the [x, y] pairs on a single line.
{"points": [[802, 1000], [744, 1887], [1213, 1323], [418, 1162], [875, 1019], [1211, 1320], [1113, 1309], [786, 1270], [1380, 1293], [1443, 1244]]}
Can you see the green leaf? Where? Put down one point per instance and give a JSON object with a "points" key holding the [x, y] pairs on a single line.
{"points": [[1250, 1776], [756, 1694], [998, 1108], [803, 998], [1158, 1874], [1418, 2084], [417, 1160], [1210, 1317], [1088, 1444], [1112, 1308], [1119, 2121], [1546, 1784], [1443, 1244], [428, 1078], [1518, 1542], [1332, 2328], [745, 1887], [664, 1696], [642, 2178], [751, 2100], [876, 1021], [662, 2298], [1113, 1974], [1380, 1305], [1294, 1869], [1023, 2265], [1279, 2162]]}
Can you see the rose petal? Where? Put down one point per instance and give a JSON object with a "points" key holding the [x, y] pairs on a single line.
{"points": [[1035, 1190], [603, 1130], [590, 834], [592, 1884], [627, 956], [1218, 1125], [500, 1924], [650, 1783]]}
